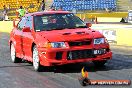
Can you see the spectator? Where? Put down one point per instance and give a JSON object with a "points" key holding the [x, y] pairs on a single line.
{"points": [[43, 6], [31, 5], [43, 1], [37, 1], [52, 8], [60, 9], [107, 10], [21, 11], [26, 10], [8, 7], [5, 10]]}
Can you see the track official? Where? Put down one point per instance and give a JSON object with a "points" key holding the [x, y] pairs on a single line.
{"points": [[21, 11]]}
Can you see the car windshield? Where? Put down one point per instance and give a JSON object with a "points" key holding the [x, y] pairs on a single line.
{"points": [[48, 22]]}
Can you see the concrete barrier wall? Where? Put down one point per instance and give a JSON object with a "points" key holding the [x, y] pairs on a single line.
{"points": [[6, 26], [109, 19], [124, 37], [120, 34], [111, 14]]}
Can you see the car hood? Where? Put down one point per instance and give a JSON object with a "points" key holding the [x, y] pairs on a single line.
{"points": [[68, 34]]}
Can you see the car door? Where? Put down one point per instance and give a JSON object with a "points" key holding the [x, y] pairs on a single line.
{"points": [[18, 37], [28, 40]]}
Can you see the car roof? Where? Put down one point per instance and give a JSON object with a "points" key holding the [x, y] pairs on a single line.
{"points": [[47, 12]]}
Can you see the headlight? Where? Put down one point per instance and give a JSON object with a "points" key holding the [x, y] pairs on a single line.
{"points": [[99, 41], [55, 45], [58, 45]]}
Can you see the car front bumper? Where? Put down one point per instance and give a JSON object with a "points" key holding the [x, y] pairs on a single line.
{"points": [[48, 57]]}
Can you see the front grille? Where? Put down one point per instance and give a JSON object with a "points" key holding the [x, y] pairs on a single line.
{"points": [[79, 43], [80, 54]]}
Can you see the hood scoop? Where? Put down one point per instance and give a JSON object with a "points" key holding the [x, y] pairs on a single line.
{"points": [[66, 33], [80, 32], [93, 31], [75, 32]]}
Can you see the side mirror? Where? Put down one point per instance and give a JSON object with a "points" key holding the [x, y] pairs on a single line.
{"points": [[88, 25], [26, 29]]}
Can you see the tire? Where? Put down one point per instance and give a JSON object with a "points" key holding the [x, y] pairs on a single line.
{"points": [[99, 63], [36, 61], [14, 59]]}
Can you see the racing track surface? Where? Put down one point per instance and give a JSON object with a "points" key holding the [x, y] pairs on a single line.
{"points": [[22, 75]]}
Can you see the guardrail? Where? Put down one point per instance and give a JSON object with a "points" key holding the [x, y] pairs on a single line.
{"points": [[106, 14]]}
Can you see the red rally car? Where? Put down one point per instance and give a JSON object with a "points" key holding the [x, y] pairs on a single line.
{"points": [[55, 38]]}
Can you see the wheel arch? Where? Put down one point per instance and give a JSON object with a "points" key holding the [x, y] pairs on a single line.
{"points": [[33, 44], [10, 44], [12, 40]]}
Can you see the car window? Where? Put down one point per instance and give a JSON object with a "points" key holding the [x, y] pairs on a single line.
{"points": [[29, 22], [44, 22], [21, 24], [48, 22]]}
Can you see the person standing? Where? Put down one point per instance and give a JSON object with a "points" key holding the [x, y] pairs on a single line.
{"points": [[5, 10], [43, 5], [26, 11], [60, 9], [37, 1], [21, 11]]}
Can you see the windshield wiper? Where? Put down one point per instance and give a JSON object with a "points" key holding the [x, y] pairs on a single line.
{"points": [[53, 29], [70, 28], [81, 27], [58, 28], [48, 30]]}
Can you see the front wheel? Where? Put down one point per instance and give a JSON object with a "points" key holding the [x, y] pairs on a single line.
{"points": [[99, 63], [36, 61]]}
